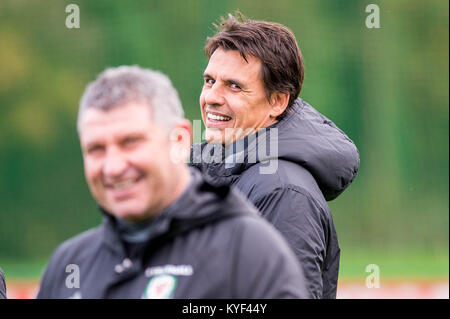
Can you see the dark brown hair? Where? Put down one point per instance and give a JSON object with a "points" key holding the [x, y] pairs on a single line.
{"points": [[274, 44]]}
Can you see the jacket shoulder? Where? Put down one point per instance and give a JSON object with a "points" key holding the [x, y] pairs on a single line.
{"points": [[285, 175], [80, 244], [72, 251]]}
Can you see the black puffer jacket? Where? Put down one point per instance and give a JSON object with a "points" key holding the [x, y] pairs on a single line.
{"points": [[2, 285], [210, 243], [289, 170]]}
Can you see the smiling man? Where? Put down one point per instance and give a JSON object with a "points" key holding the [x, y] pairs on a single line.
{"points": [[166, 232], [124, 171], [249, 102], [233, 100]]}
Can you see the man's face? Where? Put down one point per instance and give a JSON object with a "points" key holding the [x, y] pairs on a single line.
{"points": [[127, 161], [233, 101]]}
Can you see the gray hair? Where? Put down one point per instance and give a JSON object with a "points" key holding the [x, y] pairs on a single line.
{"points": [[120, 85]]}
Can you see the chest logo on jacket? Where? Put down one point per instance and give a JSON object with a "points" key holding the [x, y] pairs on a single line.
{"points": [[160, 287], [176, 270]]}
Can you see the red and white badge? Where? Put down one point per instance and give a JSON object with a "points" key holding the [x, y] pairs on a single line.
{"points": [[160, 287]]}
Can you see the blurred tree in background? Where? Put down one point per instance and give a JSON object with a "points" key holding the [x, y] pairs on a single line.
{"points": [[387, 88]]}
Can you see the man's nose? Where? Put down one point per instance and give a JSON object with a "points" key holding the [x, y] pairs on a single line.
{"points": [[115, 164], [214, 95]]}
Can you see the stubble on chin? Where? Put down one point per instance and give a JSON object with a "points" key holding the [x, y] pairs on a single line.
{"points": [[213, 135]]}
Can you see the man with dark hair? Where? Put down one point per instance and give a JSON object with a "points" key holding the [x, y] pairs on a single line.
{"points": [[2, 285], [166, 232], [249, 104]]}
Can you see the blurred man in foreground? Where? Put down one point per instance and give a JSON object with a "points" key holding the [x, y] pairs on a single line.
{"points": [[281, 153], [166, 232]]}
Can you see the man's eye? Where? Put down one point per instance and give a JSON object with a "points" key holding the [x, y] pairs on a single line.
{"points": [[130, 141], [209, 81], [95, 150], [235, 86]]}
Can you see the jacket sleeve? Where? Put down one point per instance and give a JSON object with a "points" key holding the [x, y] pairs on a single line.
{"points": [[2, 285], [53, 276], [45, 287], [302, 223], [264, 266]]}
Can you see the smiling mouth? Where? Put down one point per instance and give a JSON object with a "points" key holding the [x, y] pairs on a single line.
{"points": [[123, 184], [216, 117]]}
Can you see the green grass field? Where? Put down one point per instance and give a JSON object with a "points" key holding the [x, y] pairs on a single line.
{"points": [[395, 265], [398, 265]]}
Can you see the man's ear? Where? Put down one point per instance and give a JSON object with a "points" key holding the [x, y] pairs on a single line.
{"points": [[181, 140], [278, 103]]}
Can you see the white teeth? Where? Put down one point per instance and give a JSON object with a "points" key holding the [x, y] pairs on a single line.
{"points": [[218, 117], [123, 184]]}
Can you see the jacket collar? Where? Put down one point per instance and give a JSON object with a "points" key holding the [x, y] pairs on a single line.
{"points": [[224, 164], [304, 137], [200, 204]]}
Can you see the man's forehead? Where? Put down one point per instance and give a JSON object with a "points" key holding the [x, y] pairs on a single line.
{"points": [[231, 62], [131, 112], [97, 123]]}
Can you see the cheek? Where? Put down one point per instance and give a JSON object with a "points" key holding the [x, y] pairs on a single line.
{"points": [[147, 158], [202, 106], [92, 170], [202, 98], [239, 113], [248, 112]]}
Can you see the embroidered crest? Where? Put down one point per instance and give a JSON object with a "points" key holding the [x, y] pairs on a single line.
{"points": [[160, 287]]}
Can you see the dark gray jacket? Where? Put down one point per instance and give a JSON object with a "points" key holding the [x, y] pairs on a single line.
{"points": [[315, 161], [2, 285], [210, 243]]}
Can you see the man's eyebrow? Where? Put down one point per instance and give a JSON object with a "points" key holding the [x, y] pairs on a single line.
{"points": [[92, 144], [134, 135], [233, 81]]}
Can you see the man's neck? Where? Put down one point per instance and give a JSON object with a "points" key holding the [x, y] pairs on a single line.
{"points": [[183, 181]]}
